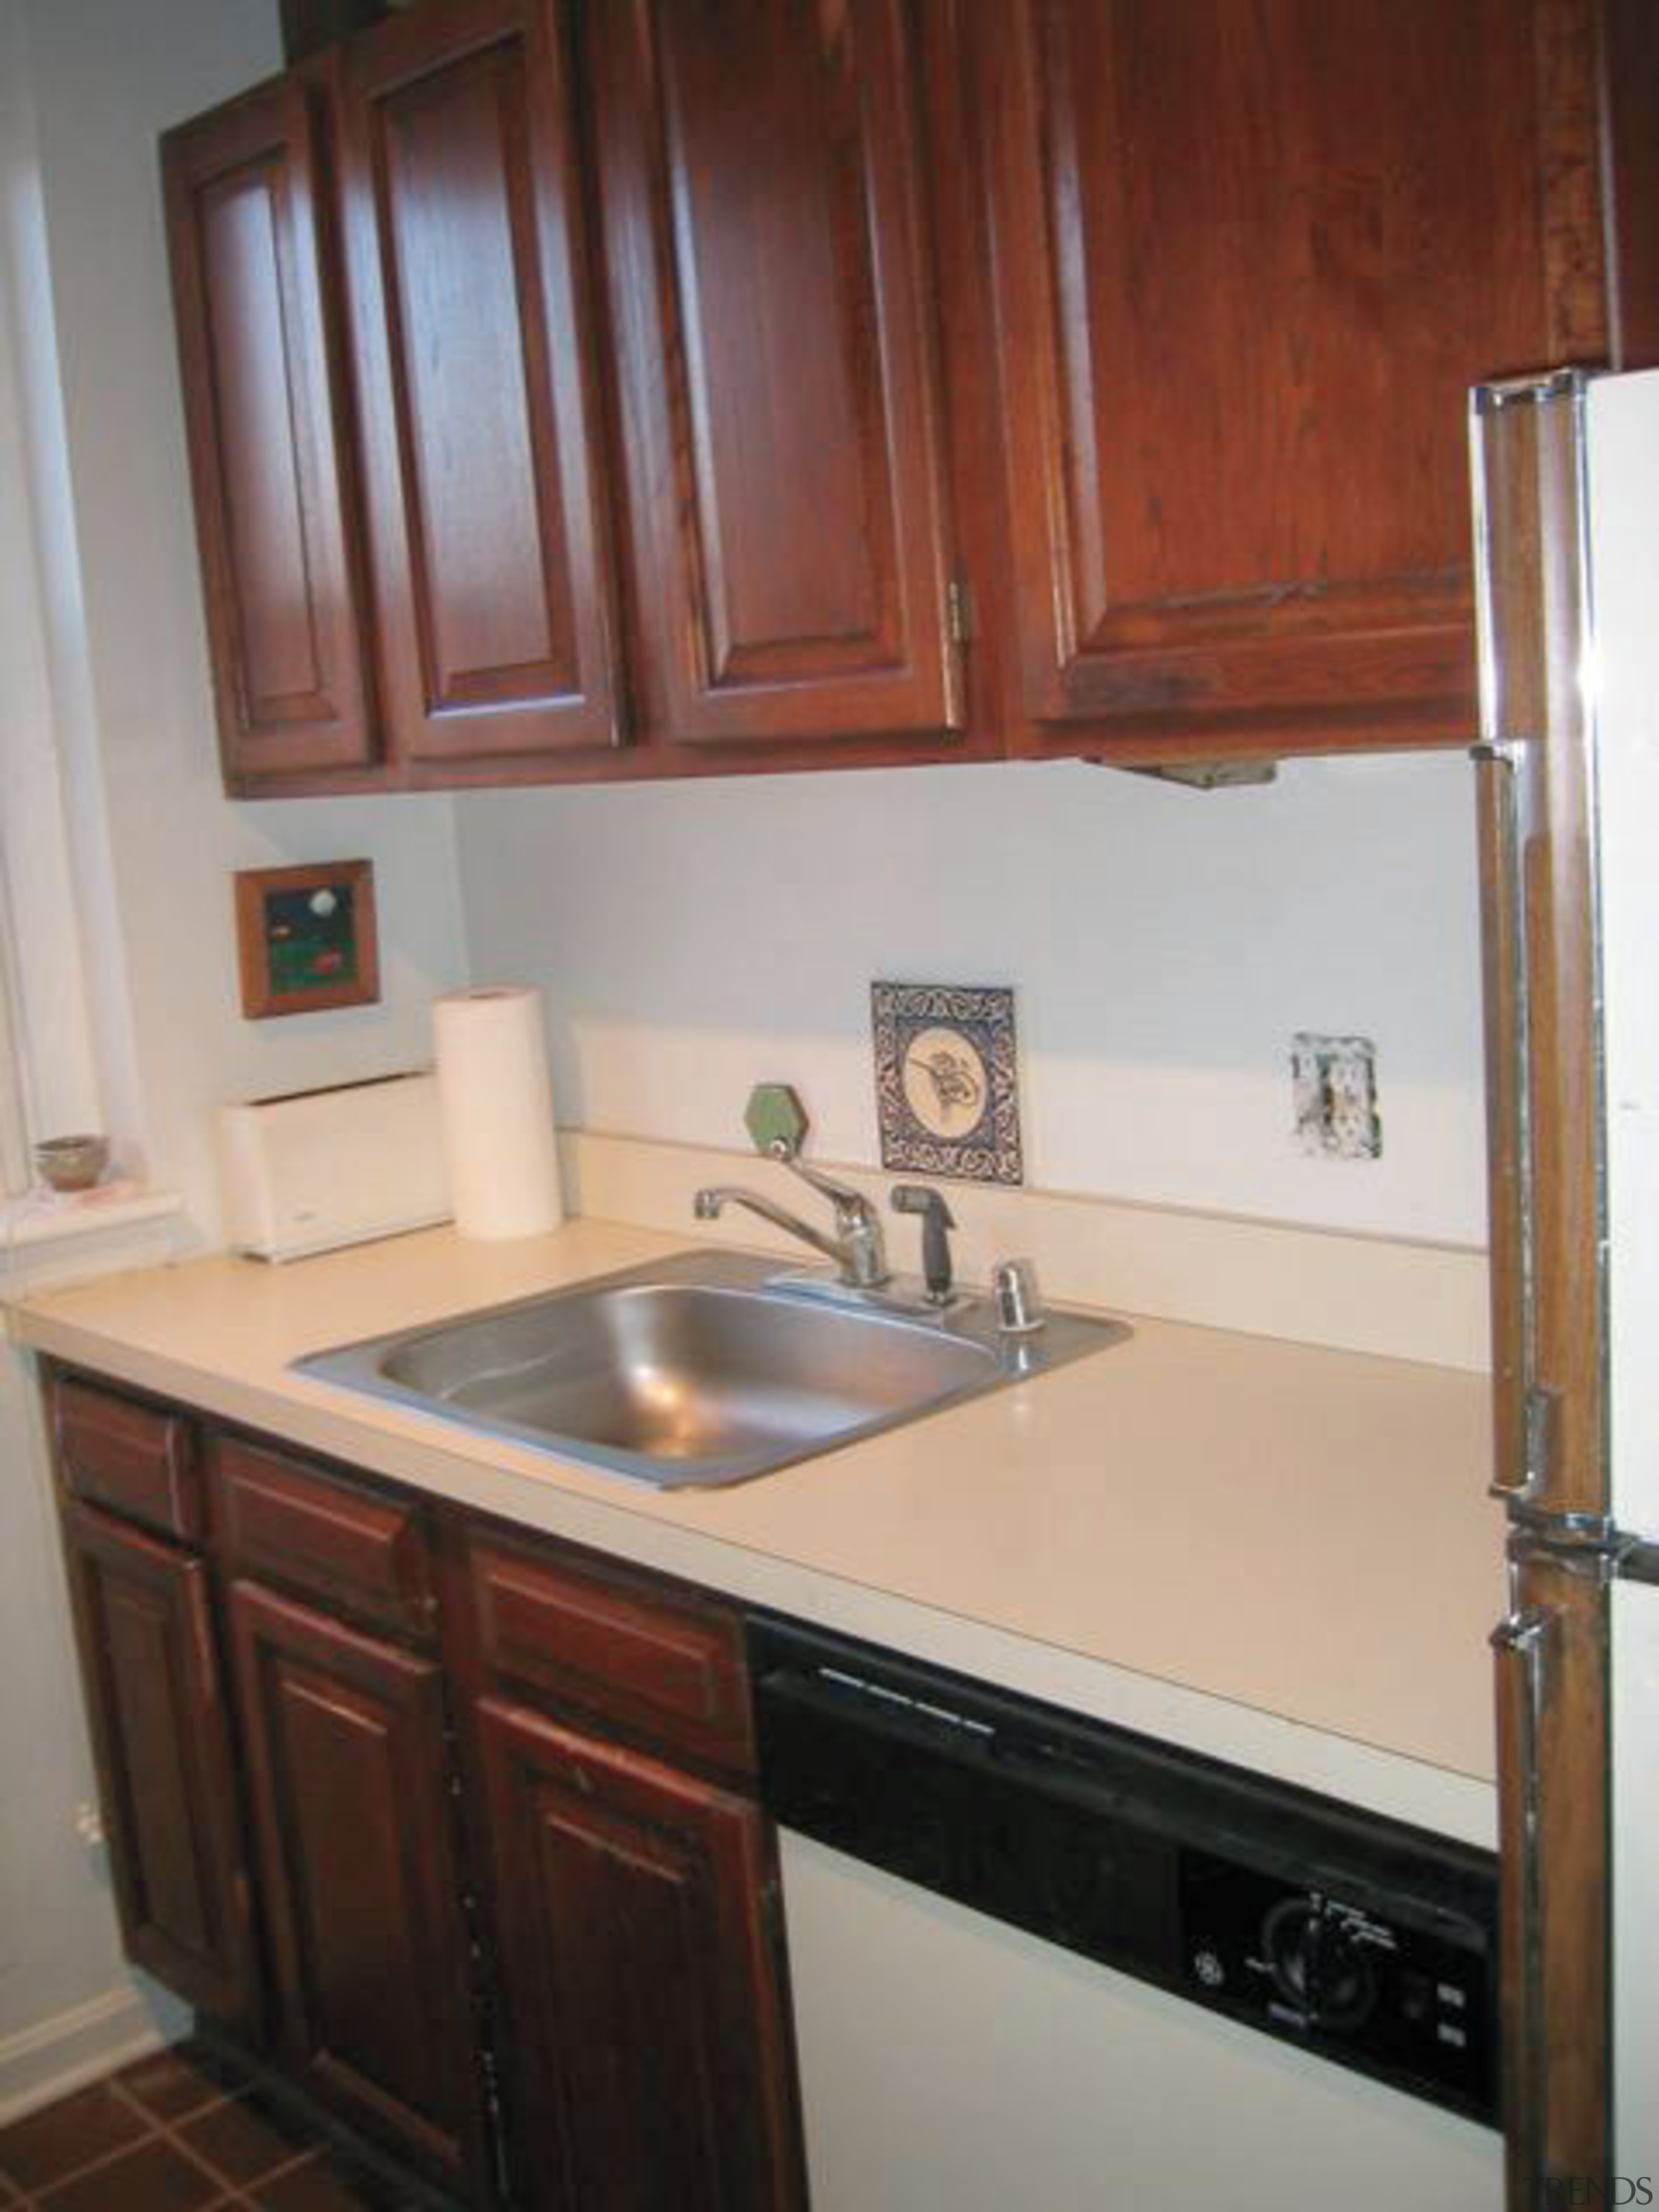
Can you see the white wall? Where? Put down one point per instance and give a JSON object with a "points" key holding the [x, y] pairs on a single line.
{"points": [[69, 2005], [1166, 944], [90, 84], [106, 78]]}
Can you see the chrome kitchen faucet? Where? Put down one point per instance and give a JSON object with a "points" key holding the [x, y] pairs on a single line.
{"points": [[777, 1121]]}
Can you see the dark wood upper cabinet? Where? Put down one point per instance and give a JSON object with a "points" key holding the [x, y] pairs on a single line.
{"points": [[344, 1740], [270, 450], [474, 359], [648, 2065], [1630, 80], [783, 383], [771, 280], [310, 25], [161, 1738], [1249, 256]]}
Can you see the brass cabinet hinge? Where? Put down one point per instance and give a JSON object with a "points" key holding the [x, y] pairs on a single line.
{"points": [[959, 612]]}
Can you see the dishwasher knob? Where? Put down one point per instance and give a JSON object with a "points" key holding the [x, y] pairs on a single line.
{"points": [[1316, 1965], [1209, 1970]]}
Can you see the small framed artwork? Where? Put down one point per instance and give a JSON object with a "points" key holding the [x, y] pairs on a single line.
{"points": [[947, 1080], [306, 937]]}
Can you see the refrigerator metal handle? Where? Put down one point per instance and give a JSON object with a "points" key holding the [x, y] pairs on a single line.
{"points": [[1519, 1645], [1538, 794], [1524, 1423]]}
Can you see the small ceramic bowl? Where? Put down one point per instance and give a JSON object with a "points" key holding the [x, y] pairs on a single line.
{"points": [[71, 1162]]}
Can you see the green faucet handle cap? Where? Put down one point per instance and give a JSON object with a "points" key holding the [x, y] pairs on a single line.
{"points": [[776, 1120]]}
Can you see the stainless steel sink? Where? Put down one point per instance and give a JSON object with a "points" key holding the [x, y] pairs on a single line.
{"points": [[704, 1369]]}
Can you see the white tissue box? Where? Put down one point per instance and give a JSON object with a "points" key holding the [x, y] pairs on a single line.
{"points": [[317, 1169]]}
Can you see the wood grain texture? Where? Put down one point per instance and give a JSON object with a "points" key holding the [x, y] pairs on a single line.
{"points": [[1546, 1136], [1571, 165], [769, 259], [1497, 819], [161, 1740], [137, 1457], [1544, 1070], [1553, 1905], [344, 1741], [269, 435], [1250, 259], [472, 345], [628, 1651], [280, 1519], [649, 2062], [1629, 89], [310, 25], [1216, 279], [630, 1925]]}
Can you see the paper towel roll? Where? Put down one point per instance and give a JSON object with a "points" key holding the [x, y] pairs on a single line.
{"points": [[496, 1107]]}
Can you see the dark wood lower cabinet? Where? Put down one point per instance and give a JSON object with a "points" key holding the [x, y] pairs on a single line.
{"points": [[571, 1910], [344, 1743], [161, 1738], [648, 2065]]}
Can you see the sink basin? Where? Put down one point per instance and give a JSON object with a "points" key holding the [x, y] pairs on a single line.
{"points": [[704, 1369]]}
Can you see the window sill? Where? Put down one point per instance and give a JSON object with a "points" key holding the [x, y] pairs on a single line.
{"points": [[46, 1217]]}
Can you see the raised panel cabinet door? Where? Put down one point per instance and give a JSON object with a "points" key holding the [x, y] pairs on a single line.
{"points": [[266, 418], [771, 266], [162, 1739], [473, 346], [344, 1738], [649, 2066], [1250, 256]]}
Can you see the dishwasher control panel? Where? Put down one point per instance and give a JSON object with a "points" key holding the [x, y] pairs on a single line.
{"points": [[1401, 1986], [1367, 1942]]}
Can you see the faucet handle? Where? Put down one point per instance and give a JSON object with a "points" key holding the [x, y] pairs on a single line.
{"points": [[776, 1120], [937, 1222], [851, 1205]]}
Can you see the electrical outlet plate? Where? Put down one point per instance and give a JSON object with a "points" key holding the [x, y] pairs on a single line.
{"points": [[1336, 1085]]}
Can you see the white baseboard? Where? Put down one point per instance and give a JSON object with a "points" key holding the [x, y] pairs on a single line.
{"points": [[45, 2062]]}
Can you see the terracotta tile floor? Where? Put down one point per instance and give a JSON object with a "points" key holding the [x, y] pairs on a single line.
{"points": [[180, 2131]]}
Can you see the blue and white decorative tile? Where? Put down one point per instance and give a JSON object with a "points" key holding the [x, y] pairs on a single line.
{"points": [[947, 1080]]}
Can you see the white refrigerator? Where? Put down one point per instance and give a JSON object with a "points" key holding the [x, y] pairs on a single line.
{"points": [[1566, 499]]}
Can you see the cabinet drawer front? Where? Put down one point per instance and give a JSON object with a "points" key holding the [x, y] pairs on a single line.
{"points": [[661, 1666], [283, 1520], [139, 1459]]}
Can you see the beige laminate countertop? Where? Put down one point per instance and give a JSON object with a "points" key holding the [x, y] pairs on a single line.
{"points": [[1269, 1551]]}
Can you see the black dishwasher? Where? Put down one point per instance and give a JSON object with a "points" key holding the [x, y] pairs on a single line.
{"points": [[1358, 1937]]}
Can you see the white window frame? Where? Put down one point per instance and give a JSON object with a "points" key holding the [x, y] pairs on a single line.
{"points": [[14, 1136], [50, 1077]]}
